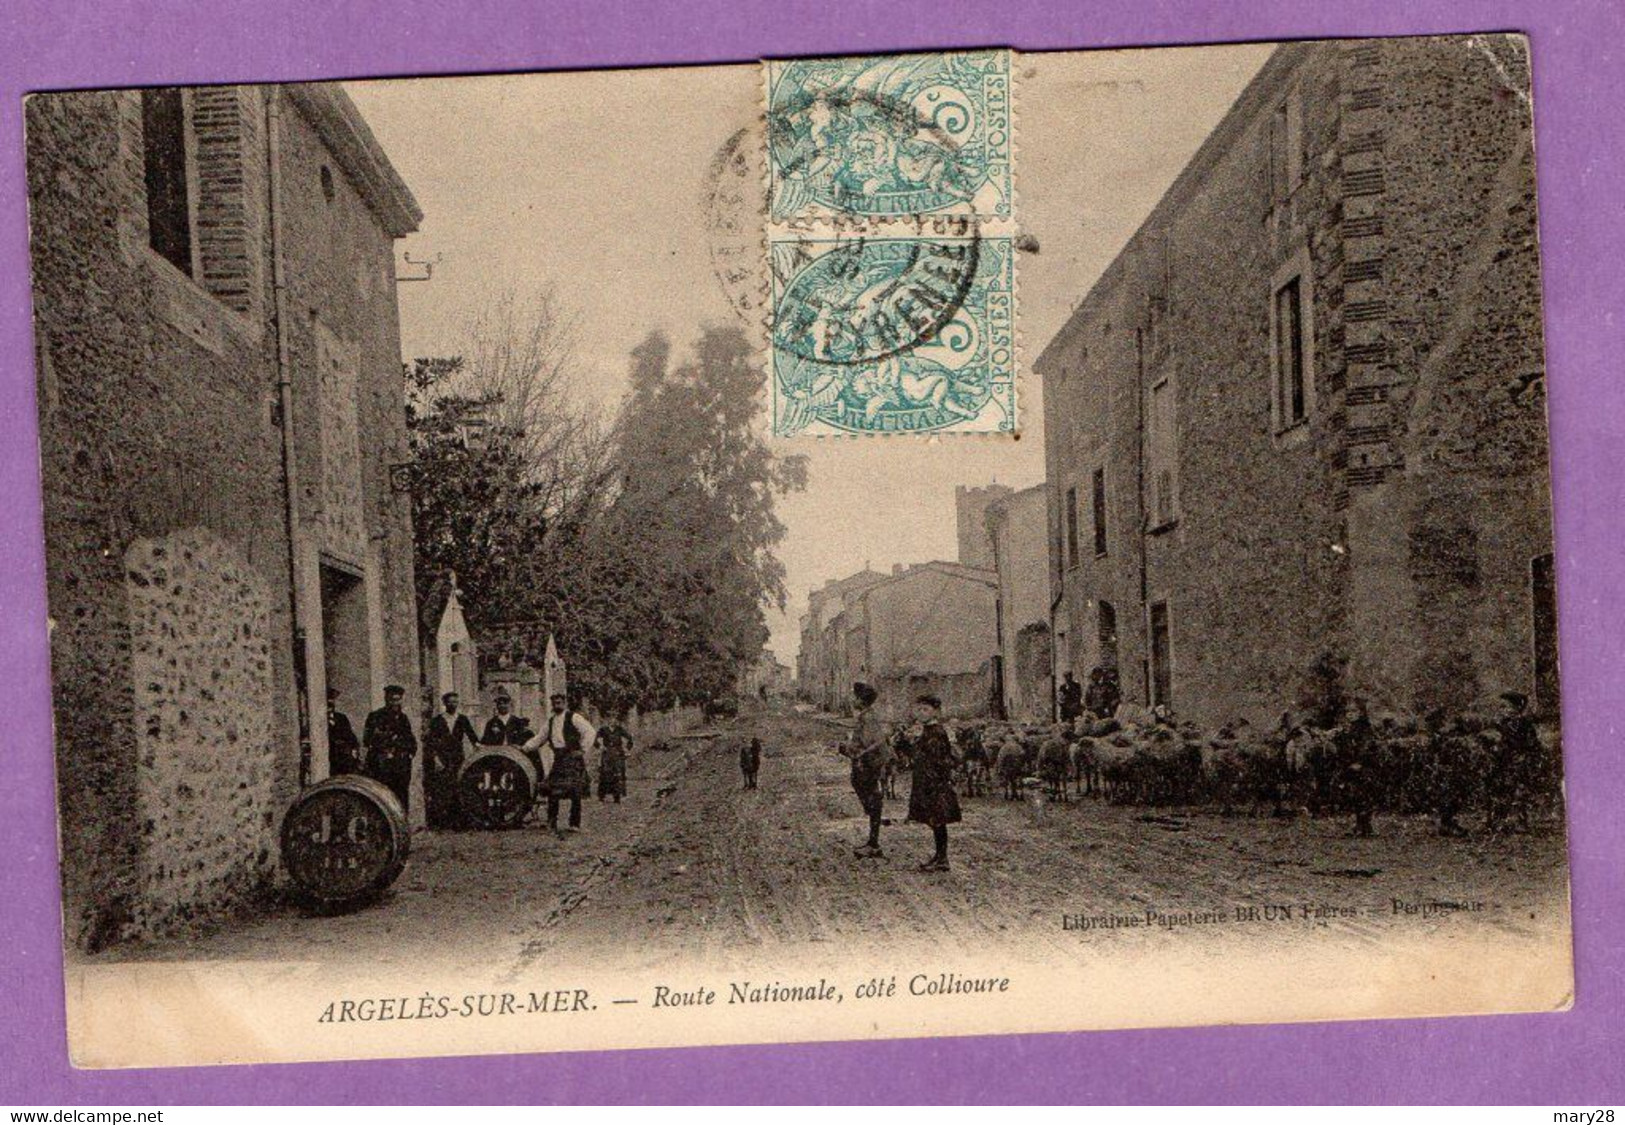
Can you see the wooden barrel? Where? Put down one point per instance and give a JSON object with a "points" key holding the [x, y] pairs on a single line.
{"points": [[344, 840], [497, 787]]}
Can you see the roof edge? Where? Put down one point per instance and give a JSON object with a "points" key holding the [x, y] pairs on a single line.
{"points": [[342, 128], [1282, 61]]}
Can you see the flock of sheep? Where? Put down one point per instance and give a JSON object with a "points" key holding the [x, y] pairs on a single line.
{"points": [[1499, 766]]}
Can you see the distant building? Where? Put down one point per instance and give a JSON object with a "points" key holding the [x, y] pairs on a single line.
{"points": [[768, 678], [1018, 535], [821, 677], [927, 628], [970, 516], [221, 404], [1296, 432]]}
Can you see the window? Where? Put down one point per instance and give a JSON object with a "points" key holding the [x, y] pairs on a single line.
{"points": [[1072, 527], [1286, 148], [169, 202], [1292, 345], [1162, 453], [1106, 635], [1099, 504], [1162, 673]]}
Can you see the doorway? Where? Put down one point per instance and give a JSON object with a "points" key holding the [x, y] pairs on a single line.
{"points": [[346, 644]]}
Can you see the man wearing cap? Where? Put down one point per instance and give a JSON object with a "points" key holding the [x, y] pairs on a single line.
{"points": [[391, 745], [507, 729], [870, 751], [568, 737], [343, 747], [443, 761]]}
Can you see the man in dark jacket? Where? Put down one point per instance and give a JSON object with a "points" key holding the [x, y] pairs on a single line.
{"points": [[932, 800], [870, 753], [443, 762], [1516, 767], [507, 729], [391, 745], [1357, 763], [343, 747], [1070, 698]]}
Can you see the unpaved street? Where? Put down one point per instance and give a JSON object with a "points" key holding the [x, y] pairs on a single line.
{"points": [[693, 865]]}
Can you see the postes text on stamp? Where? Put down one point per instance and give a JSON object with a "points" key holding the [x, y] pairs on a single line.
{"points": [[890, 136]]}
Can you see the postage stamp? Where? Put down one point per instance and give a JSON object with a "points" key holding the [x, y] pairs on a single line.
{"points": [[893, 335], [890, 136]]}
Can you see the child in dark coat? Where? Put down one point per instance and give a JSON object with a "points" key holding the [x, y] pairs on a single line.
{"points": [[933, 800]]}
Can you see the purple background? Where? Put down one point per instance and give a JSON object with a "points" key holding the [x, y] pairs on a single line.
{"points": [[1569, 1058]]}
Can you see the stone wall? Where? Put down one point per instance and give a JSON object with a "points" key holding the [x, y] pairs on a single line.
{"points": [[205, 724], [156, 420], [160, 431], [1390, 536], [1018, 529], [929, 621]]}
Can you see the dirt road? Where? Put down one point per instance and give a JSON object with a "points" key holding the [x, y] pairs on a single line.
{"points": [[692, 863]]}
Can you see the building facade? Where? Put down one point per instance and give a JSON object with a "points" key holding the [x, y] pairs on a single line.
{"points": [[1296, 433], [1018, 537], [221, 404], [926, 629], [767, 678], [971, 505], [820, 665]]}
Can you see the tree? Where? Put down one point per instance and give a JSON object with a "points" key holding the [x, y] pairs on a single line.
{"points": [[645, 548], [697, 487]]}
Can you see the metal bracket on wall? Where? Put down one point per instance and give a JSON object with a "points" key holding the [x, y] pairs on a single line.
{"points": [[428, 265]]}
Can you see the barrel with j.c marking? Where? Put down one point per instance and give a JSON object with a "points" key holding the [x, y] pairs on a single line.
{"points": [[344, 840], [497, 787]]}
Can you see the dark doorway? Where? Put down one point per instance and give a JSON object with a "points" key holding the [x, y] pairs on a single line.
{"points": [[1162, 678], [346, 647], [996, 699]]}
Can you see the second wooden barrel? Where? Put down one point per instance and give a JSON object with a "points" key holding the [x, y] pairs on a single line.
{"points": [[497, 787], [344, 840]]}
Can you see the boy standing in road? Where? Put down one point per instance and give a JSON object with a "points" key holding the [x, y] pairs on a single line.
{"points": [[869, 753]]}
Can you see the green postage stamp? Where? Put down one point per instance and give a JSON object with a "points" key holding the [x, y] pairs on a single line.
{"points": [[890, 137], [893, 335], [890, 237]]}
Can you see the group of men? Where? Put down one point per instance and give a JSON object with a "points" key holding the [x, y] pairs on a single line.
{"points": [[1099, 701], [558, 753]]}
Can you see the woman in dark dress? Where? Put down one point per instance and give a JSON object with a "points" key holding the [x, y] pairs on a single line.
{"points": [[932, 799], [613, 742]]}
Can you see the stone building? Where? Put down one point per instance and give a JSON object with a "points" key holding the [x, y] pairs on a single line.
{"points": [[1296, 432], [220, 407], [820, 675], [1018, 537], [971, 506], [767, 678], [932, 627], [926, 628]]}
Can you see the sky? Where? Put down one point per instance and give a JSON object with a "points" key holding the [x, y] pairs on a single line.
{"points": [[592, 185]]}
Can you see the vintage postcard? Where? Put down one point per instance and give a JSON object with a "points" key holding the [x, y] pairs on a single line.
{"points": [[940, 544]]}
